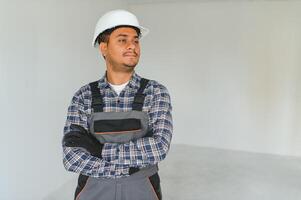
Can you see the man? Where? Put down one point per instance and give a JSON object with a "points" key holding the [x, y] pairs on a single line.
{"points": [[120, 127]]}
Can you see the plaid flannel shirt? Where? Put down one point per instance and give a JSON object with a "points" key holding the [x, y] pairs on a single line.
{"points": [[118, 158]]}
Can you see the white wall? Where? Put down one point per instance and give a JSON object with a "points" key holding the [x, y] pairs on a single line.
{"points": [[238, 64], [232, 68], [45, 56]]}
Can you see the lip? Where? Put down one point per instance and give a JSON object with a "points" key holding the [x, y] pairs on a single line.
{"points": [[130, 55]]}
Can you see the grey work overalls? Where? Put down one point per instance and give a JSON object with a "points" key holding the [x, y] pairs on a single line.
{"points": [[120, 127]]}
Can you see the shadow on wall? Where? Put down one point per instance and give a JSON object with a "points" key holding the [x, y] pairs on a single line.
{"points": [[193, 173]]}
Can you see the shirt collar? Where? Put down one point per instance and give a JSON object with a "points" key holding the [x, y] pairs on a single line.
{"points": [[133, 83]]}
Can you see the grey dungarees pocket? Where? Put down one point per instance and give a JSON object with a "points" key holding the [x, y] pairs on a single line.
{"points": [[117, 130], [119, 127]]}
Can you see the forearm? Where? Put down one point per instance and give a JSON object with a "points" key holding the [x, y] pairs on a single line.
{"points": [[147, 150], [139, 153], [79, 161]]}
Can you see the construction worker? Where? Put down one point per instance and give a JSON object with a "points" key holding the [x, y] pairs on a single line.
{"points": [[119, 127]]}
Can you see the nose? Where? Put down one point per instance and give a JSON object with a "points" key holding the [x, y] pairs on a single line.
{"points": [[131, 45]]}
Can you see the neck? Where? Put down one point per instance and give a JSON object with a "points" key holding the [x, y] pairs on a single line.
{"points": [[120, 77]]}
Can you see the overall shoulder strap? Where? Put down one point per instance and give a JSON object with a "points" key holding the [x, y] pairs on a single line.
{"points": [[139, 97], [97, 102]]}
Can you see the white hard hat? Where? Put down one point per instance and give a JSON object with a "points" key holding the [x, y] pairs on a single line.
{"points": [[115, 18]]}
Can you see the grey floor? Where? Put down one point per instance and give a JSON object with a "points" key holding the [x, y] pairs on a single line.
{"points": [[198, 173], [193, 173]]}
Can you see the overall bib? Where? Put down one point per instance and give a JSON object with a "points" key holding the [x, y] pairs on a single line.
{"points": [[120, 127]]}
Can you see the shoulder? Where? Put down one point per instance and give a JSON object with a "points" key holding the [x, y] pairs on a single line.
{"points": [[82, 94], [158, 89], [159, 96]]}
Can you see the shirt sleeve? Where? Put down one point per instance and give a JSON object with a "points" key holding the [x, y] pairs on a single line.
{"points": [[78, 159], [148, 150]]}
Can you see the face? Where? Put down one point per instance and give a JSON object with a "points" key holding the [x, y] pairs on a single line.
{"points": [[122, 51]]}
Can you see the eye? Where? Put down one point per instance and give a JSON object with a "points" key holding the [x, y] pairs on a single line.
{"points": [[122, 40], [137, 41]]}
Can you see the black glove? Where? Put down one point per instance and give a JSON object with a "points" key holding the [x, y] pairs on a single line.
{"points": [[133, 170], [149, 133], [80, 137]]}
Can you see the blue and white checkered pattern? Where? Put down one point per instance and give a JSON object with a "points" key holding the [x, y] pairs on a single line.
{"points": [[118, 158]]}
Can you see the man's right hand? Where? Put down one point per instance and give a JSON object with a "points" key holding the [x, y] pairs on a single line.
{"points": [[80, 137]]}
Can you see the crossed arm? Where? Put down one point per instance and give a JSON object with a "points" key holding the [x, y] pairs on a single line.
{"points": [[139, 153]]}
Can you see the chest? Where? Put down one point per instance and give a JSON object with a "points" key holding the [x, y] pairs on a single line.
{"points": [[119, 103]]}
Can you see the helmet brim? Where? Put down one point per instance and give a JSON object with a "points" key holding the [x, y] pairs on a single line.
{"points": [[143, 31]]}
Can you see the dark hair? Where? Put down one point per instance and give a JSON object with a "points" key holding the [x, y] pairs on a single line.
{"points": [[104, 36]]}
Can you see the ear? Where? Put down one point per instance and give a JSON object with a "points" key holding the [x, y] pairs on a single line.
{"points": [[103, 46]]}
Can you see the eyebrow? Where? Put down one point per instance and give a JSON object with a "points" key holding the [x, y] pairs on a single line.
{"points": [[124, 35]]}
